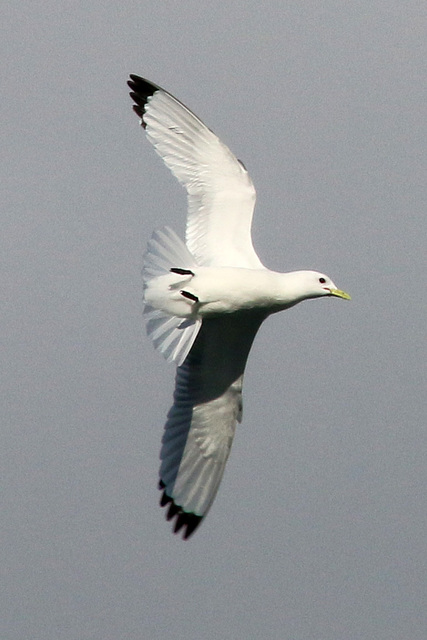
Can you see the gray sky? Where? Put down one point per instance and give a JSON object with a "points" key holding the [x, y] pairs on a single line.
{"points": [[319, 528]]}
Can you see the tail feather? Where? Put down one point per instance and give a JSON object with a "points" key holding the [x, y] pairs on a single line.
{"points": [[165, 250], [171, 335]]}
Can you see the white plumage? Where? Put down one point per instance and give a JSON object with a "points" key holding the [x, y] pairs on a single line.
{"points": [[205, 300]]}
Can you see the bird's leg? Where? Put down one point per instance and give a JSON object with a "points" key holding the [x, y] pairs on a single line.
{"points": [[189, 295]]}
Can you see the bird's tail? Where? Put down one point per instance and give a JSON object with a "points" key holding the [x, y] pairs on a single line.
{"points": [[171, 324]]}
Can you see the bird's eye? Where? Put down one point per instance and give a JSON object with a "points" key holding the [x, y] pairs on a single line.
{"points": [[322, 280]]}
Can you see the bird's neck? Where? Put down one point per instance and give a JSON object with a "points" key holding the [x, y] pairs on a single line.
{"points": [[289, 289]]}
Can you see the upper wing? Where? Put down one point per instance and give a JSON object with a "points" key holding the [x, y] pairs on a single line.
{"points": [[201, 423], [221, 196]]}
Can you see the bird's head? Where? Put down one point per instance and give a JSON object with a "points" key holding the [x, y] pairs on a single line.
{"points": [[312, 284], [318, 285]]}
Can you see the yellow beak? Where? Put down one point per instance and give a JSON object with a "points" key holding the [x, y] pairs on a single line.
{"points": [[339, 294]]}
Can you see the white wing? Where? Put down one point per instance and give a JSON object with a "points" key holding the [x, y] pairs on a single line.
{"points": [[201, 423], [221, 196]]}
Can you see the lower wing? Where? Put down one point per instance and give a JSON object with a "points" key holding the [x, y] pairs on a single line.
{"points": [[201, 423]]}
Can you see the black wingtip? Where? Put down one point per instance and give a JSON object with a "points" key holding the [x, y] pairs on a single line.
{"points": [[142, 86], [186, 521], [141, 91]]}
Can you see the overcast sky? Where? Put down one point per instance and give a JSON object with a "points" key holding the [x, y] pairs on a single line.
{"points": [[319, 529]]}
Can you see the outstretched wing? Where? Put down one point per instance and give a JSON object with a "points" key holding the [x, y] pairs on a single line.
{"points": [[221, 196], [201, 423]]}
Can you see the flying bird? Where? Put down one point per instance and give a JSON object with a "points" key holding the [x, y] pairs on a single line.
{"points": [[205, 299]]}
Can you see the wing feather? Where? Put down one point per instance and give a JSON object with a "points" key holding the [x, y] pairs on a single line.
{"points": [[201, 423], [221, 196]]}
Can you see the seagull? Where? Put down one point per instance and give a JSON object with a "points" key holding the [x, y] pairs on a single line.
{"points": [[204, 301]]}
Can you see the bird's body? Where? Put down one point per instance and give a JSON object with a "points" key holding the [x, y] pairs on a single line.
{"points": [[205, 300], [221, 290]]}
